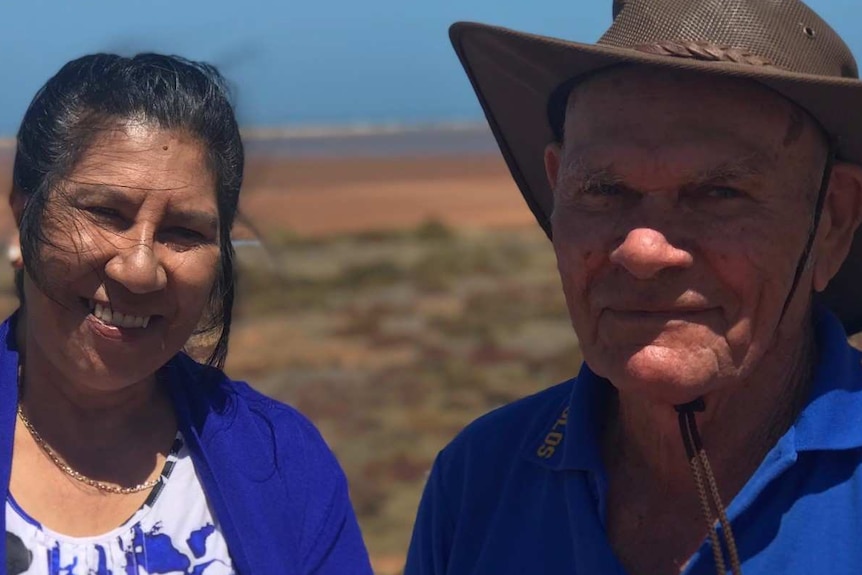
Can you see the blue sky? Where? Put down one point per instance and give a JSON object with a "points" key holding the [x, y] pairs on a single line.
{"points": [[296, 62]]}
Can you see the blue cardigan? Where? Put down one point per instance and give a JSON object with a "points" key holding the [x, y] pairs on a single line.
{"points": [[275, 487]]}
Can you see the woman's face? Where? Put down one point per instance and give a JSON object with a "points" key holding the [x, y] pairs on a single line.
{"points": [[131, 257]]}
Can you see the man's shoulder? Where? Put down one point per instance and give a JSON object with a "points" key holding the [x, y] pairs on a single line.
{"points": [[505, 431], [486, 467]]}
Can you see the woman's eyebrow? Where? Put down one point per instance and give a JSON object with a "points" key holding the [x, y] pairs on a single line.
{"points": [[102, 192], [89, 195], [195, 218]]}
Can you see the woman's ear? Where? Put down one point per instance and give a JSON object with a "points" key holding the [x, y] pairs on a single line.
{"points": [[13, 246], [17, 201], [13, 252]]}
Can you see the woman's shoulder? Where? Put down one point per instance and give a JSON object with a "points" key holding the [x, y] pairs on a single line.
{"points": [[267, 455], [209, 392], [251, 435]]}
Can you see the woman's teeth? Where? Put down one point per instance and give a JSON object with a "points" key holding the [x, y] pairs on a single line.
{"points": [[117, 319]]}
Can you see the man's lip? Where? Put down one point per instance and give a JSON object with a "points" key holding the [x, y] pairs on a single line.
{"points": [[660, 312]]}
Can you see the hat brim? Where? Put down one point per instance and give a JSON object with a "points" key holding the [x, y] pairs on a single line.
{"points": [[514, 75]]}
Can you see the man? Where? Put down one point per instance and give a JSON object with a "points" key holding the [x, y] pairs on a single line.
{"points": [[697, 171]]}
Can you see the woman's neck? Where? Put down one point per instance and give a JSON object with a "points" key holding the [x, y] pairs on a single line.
{"points": [[69, 411]]}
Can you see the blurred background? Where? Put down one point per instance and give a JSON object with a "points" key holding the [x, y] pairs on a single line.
{"points": [[393, 283]]}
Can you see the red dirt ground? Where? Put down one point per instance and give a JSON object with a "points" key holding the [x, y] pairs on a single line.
{"points": [[344, 195]]}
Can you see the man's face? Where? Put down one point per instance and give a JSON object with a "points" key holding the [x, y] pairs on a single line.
{"points": [[682, 205]]}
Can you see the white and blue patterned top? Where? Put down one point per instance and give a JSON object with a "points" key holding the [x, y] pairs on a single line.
{"points": [[174, 532]]}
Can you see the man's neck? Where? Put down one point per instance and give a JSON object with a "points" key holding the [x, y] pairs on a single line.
{"points": [[738, 427], [654, 515]]}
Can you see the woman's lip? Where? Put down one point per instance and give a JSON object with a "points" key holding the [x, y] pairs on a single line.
{"points": [[92, 304], [116, 333]]}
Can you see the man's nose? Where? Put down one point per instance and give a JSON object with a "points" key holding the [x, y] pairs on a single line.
{"points": [[137, 268], [645, 252]]}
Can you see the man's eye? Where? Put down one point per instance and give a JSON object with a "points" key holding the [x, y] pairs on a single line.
{"points": [[723, 193], [601, 191]]}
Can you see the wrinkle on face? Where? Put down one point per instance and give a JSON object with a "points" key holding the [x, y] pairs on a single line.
{"points": [[722, 169], [136, 224]]}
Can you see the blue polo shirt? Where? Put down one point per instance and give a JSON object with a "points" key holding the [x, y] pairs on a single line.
{"points": [[522, 489]]}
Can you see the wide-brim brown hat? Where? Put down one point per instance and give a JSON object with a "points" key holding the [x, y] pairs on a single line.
{"points": [[521, 81]]}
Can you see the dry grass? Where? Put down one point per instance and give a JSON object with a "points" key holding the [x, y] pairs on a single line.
{"points": [[390, 330], [392, 342]]}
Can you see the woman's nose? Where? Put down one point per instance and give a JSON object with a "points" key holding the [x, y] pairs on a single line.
{"points": [[645, 252], [137, 268]]}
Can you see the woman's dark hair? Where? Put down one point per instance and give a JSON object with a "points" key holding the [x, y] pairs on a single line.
{"points": [[96, 92]]}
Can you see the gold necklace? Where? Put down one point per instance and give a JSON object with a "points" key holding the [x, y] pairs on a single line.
{"points": [[101, 486]]}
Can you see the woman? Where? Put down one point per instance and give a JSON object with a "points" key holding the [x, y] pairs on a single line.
{"points": [[119, 453]]}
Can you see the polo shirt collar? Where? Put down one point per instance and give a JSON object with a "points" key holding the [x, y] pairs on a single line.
{"points": [[570, 438], [830, 419]]}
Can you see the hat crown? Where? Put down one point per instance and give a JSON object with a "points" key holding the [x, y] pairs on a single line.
{"points": [[787, 33]]}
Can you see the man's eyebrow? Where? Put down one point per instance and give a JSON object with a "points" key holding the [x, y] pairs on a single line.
{"points": [[587, 176], [748, 166], [590, 176]]}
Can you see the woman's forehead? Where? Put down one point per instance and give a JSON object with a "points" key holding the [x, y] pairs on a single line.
{"points": [[132, 135], [145, 158]]}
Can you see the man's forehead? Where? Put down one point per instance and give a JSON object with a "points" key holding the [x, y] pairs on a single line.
{"points": [[646, 106], [730, 166], [649, 82], [648, 173]]}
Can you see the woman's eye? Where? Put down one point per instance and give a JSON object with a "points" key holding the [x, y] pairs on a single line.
{"points": [[184, 236], [103, 212], [185, 232], [105, 216]]}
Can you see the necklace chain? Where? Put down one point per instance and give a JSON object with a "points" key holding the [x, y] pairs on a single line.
{"points": [[101, 486]]}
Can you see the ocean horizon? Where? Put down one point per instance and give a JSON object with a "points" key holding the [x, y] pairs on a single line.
{"points": [[360, 140]]}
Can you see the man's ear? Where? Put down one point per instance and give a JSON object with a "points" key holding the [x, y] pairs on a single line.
{"points": [[842, 213], [553, 158]]}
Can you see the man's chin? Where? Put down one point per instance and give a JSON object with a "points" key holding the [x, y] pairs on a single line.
{"points": [[661, 382]]}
